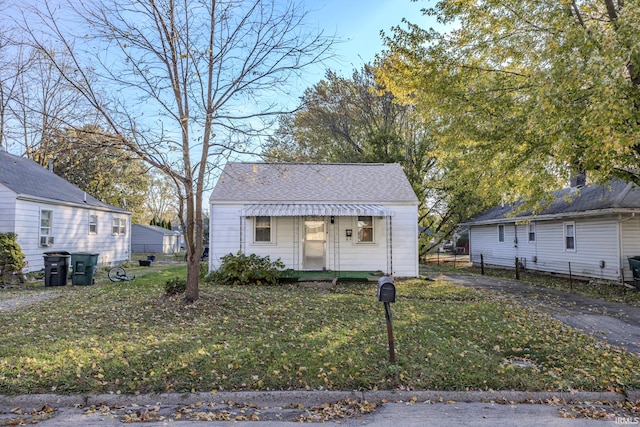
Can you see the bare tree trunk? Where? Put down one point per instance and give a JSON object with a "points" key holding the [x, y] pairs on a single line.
{"points": [[195, 64]]}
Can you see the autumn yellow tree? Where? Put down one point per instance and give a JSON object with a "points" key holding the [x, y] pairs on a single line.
{"points": [[521, 94]]}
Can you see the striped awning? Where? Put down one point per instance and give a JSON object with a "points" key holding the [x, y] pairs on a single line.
{"points": [[315, 210]]}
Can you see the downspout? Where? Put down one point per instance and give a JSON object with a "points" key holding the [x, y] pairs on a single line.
{"points": [[620, 261], [243, 223], [390, 243]]}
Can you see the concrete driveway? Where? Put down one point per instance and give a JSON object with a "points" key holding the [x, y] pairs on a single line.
{"points": [[616, 323]]}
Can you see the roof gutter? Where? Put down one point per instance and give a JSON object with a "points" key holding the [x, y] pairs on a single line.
{"points": [[36, 199], [550, 217]]}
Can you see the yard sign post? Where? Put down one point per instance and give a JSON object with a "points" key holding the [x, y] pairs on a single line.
{"points": [[387, 313]]}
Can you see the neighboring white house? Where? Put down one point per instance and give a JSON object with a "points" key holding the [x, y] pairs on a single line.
{"points": [[151, 238], [315, 216], [588, 231], [50, 214]]}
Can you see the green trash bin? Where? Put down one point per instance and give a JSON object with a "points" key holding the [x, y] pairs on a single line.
{"points": [[84, 266]]}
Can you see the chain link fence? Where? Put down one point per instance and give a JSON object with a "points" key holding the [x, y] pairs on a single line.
{"points": [[598, 270]]}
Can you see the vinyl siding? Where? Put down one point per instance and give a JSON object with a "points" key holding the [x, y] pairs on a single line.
{"points": [[144, 239], [596, 241], [341, 253], [224, 232], [281, 245], [70, 228], [405, 241], [363, 256]]}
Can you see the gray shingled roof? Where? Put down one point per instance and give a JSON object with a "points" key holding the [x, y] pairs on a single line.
{"points": [[27, 178], [588, 200], [157, 229], [313, 183]]}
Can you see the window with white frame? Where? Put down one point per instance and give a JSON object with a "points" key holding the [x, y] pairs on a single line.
{"points": [[119, 226], [570, 236], [365, 229], [262, 229], [46, 220], [532, 232], [46, 227], [500, 233], [93, 224]]}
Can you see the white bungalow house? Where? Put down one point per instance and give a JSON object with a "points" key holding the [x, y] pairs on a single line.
{"points": [[49, 214], [335, 217], [587, 231], [151, 238]]}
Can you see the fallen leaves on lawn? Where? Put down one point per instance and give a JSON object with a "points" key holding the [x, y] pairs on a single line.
{"points": [[131, 339]]}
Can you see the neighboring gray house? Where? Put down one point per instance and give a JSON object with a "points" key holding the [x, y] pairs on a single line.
{"points": [[590, 231], [315, 216], [50, 214], [151, 238]]}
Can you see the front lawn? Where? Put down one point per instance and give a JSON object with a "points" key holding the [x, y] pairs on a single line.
{"points": [[129, 338]]}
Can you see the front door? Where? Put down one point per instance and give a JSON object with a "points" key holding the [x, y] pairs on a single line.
{"points": [[314, 244]]}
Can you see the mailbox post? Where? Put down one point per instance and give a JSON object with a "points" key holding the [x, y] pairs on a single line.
{"points": [[387, 294]]}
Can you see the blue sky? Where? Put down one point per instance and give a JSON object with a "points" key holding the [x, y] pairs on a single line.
{"points": [[357, 25]]}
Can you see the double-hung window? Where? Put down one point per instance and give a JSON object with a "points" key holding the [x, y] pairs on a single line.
{"points": [[365, 229], [46, 219], [532, 232], [570, 236], [262, 232], [93, 224], [119, 226], [46, 228], [500, 233]]}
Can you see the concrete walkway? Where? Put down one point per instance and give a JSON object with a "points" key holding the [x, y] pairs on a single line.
{"points": [[282, 409], [616, 323]]}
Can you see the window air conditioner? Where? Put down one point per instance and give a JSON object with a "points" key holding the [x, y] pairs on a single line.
{"points": [[46, 240]]}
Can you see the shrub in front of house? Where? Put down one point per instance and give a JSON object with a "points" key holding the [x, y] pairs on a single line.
{"points": [[242, 269], [11, 257]]}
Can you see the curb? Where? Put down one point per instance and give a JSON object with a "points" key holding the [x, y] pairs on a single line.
{"points": [[313, 398]]}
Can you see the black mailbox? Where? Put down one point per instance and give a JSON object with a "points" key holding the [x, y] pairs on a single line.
{"points": [[386, 290]]}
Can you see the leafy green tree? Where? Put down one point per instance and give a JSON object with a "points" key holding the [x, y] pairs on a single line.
{"points": [[357, 120], [521, 94], [161, 200], [345, 120], [93, 161]]}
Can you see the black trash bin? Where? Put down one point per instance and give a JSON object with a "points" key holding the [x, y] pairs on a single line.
{"points": [[634, 264], [84, 265], [56, 268]]}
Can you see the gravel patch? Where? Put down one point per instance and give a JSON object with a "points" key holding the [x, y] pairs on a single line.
{"points": [[22, 301]]}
